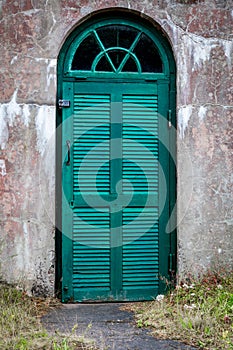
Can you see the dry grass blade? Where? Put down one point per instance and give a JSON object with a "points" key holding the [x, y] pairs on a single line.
{"points": [[198, 312], [20, 327]]}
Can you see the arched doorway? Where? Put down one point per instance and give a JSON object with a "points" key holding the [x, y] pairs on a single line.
{"points": [[117, 189]]}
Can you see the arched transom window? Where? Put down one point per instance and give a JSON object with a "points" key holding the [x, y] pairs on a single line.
{"points": [[117, 48]]}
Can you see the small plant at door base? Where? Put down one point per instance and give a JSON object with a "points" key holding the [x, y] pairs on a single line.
{"points": [[199, 312], [20, 327]]}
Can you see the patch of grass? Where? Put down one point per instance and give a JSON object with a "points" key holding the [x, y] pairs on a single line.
{"points": [[199, 312], [20, 327]]}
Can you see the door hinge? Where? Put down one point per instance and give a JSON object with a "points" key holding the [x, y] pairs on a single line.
{"points": [[171, 263], [169, 118], [63, 103]]}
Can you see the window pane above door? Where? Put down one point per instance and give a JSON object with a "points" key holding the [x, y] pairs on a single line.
{"points": [[117, 48]]}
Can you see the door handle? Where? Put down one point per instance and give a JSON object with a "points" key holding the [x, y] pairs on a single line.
{"points": [[68, 157]]}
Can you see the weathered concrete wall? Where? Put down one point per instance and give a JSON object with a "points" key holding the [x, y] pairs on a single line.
{"points": [[32, 33]]}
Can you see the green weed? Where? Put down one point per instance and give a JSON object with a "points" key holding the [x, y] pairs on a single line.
{"points": [[199, 311]]}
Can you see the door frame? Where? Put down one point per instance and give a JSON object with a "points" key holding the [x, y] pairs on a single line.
{"points": [[169, 73]]}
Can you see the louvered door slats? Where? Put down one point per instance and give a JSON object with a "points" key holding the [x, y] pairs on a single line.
{"points": [[140, 144], [91, 249], [140, 248], [91, 228], [91, 130]]}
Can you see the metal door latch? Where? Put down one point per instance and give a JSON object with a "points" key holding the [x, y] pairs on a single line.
{"points": [[63, 103]]}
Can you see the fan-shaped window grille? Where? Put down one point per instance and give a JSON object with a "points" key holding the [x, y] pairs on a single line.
{"points": [[117, 48]]}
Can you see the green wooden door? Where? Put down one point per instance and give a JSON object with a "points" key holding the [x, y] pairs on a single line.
{"points": [[117, 178], [113, 184]]}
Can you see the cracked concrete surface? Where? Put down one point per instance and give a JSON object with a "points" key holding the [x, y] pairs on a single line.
{"points": [[109, 325]]}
